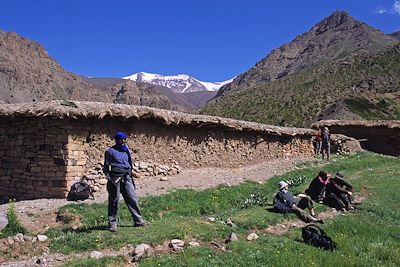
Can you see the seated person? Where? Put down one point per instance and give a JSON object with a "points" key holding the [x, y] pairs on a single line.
{"points": [[285, 202], [317, 187], [339, 193]]}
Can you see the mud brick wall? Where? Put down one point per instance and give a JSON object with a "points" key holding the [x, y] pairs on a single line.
{"points": [[42, 156], [187, 146]]}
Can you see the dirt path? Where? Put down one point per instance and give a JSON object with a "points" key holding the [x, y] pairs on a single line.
{"points": [[40, 214]]}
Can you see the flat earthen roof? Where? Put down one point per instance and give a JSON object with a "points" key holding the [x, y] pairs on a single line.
{"points": [[62, 109], [392, 124]]}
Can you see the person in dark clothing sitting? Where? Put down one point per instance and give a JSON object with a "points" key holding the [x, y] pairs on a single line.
{"points": [[317, 187], [339, 193], [285, 202]]}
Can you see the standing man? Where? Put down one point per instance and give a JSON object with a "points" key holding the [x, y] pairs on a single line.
{"points": [[118, 170], [326, 144]]}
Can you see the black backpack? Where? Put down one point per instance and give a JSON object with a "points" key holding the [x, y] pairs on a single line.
{"points": [[313, 235], [80, 191]]}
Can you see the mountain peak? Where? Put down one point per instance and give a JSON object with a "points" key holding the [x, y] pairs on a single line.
{"points": [[332, 38], [335, 20], [180, 83]]}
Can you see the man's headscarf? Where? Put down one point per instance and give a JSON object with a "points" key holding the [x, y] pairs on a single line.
{"points": [[120, 135], [122, 147]]}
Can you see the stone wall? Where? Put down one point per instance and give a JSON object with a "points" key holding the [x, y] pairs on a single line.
{"points": [[46, 146], [186, 146], [35, 158], [43, 156]]}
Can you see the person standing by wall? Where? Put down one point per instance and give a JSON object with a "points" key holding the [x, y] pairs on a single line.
{"points": [[317, 142], [326, 144], [118, 170]]}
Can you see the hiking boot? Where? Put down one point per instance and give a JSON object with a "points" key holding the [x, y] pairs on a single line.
{"points": [[113, 228], [140, 224]]}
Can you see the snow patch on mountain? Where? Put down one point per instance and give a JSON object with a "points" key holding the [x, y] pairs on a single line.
{"points": [[181, 83]]}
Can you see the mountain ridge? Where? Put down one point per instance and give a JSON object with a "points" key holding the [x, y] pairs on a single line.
{"points": [[333, 37], [180, 83]]}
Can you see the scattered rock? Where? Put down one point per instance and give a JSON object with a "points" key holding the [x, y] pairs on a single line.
{"points": [[41, 261], [176, 245], [10, 240], [176, 248], [211, 219], [194, 244], [103, 181], [229, 223], [232, 237], [252, 236], [41, 238], [96, 254], [95, 188], [142, 251], [19, 238], [143, 165], [28, 238], [95, 177], [226, 184], [177, 242]]}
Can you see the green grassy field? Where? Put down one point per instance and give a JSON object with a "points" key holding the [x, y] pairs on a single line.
{"points": [[369, 236]]}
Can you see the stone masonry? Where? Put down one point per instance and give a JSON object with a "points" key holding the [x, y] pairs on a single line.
{"points": [[45, 149]]}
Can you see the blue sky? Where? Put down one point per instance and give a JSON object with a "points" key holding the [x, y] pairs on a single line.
{"points": [[213, 40]]}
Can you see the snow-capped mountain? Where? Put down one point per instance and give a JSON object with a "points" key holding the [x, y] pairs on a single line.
{"points": [[181, 83]]}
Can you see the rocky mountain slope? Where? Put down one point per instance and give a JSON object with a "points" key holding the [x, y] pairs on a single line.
{"points": [[358, 86], [395, 35], [181, 83], [334, 37], [139, 93], [29, 74]]}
